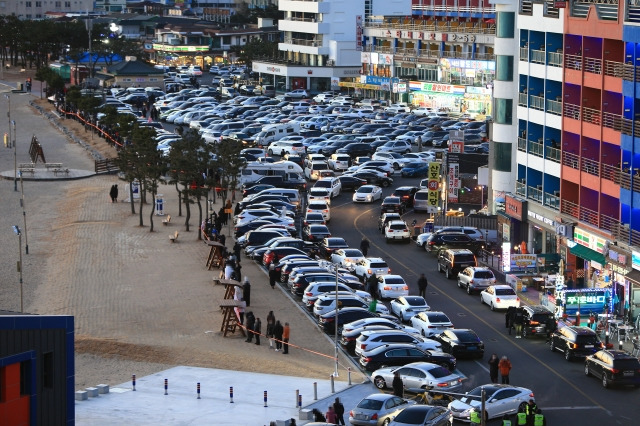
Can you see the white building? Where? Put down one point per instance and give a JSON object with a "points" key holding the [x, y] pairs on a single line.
{"points": [[322, 41], [38, 9]]}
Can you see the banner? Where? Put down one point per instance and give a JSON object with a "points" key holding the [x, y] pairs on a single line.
{"points": [[454, 182], [523, 261], [359, 33], [434, 187]]}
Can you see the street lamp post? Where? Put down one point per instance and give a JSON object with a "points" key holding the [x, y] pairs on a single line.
{"points": [[15, 158], [24, 216], [335, 342], [481, 188], [16, 229], [8, 98]]}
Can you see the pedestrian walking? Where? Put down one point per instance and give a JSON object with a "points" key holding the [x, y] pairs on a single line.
{"points": [[271, 323], [278, 330], [112, 193], [397, 385], [339, 410], [509, 316], [257, 328], [236, 251], [272, 275], [246, 291], [422, 285], [115, 193], [251, 322], [493, 368], [372, 286], [550, 326], [331, 415], [286, 332], [519, 322], [505, 368], [364, 246]]}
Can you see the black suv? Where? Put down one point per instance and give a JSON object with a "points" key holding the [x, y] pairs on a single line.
{"points": [[575, 342], [406, 194], [535, 320], [442, 241], [392, 205], [452, 261], [356, 149], [613, 367]]}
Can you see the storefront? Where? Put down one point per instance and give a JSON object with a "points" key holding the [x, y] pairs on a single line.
{"points": [[511, 226], [586, 260], [467, 71], [619, 265], [632, 283], [542, 230], [445, 97], [314, 79]]}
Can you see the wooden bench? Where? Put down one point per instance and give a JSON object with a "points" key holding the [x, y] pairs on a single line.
{"points": [[174, 237], [27, 167], [167, 220], [56, 168]]}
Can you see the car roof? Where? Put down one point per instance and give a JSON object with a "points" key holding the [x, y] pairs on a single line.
{"points": [[396, 222], [375, 259]]}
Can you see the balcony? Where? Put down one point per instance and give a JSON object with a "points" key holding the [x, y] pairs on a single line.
{"points": [[535, 193], [522, 144], [553, 154], [554, 107], [573, 62], [552, 200], [631, 127], [614, 69], [579, 212], [593, 65], [572, 209], [536, 148], [631, 73], [571, 111], [611, 173], [522, 99], [536, 102], [590, 166], [538, 56], [555, 59], [591, 115], [524, 54], [445, 27], [571, 160], [625, 179], [303, 42], [612, 121], [521, 188], [609, 223]]}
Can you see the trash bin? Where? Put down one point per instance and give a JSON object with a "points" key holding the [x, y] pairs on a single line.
{"points": [[159, 205]]}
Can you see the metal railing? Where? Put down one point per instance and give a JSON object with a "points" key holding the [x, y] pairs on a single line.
{"points": [[611, 173], [625, 178], [522, 144], [630, 73], [588, 215], [536, 148], [300, 19], [554, 107], [573, 62], [522, 99], [521, 188], [534, 193], [303, 42], [524, 54], [580, 212], [571, 111], [552, 201], [536, 102], [441, 27], [571, 160], [555, 59], [553, 154], [593, 65], [614, 69], [591, 115], [572, 209], [538, 56], [590, 166], [631, 128], [612, 121], [609, 223]]}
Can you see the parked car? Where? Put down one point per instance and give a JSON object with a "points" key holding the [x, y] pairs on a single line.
{"points": [[475, 279], [452, 261], [398, 354], [346, 257], [535, 320], [461, 342], [297, 94], [329, 245], [392, 286], [407, 306], [613, 367], [377, 409], [327, 321], [575, 342], [418, 377], [500, 297], [431, 323], [423, 415], [366, 267], [499, 400], [437, 243]]}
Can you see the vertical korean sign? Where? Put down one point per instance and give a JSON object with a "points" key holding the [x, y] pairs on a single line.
{"points": [[433, 185], [453, 178], [359, 33]]}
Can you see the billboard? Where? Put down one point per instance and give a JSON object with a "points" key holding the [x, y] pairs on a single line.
{"points": [[453, 178], [434, 187], [359, 33]]}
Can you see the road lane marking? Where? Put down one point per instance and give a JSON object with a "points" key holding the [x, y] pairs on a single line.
{"points": [[484, 368]]}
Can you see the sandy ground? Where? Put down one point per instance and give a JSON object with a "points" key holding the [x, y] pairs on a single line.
{"points": [[141, 304]]}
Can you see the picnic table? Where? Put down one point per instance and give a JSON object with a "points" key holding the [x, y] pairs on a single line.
{"points": [[230, 287], [230, 320], [215, 254]]}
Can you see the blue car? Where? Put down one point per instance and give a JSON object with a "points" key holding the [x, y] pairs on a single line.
{"points": [[415, 169]]}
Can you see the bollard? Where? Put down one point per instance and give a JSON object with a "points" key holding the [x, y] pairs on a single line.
{"points": [[231, 394], [133, 380], [299, 402], [265, 398], [315, 391], [349, 373], [198, 390], [297, 397], [333, 386], [166, 386]]}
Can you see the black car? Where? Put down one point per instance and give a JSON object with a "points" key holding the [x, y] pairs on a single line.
{"points": [[424, 415], [392, 205], [327, 321], [241, 230], [256, 189], [315, 233], [613, 367], [284, 268], [401, 354], [373, 178], [436, 243], [261, 199], [328, 245], [351, 183], [406, 194], [356, 149], [461, 342], [330, 149], [575, 342], [535, 320], [314, 218], [453, 261]]}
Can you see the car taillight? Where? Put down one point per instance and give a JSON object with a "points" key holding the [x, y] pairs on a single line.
{"points": [[369, 271], [573, 345], [386, 288], [367, 359], [534, 322], [471, 282], [517, 299], [406, 287], [374, 417], [349, 339], [363, 346], [432, 243], [388, 270], [443, 385], [325, 210], [615, 370], [309, 294], [497, 300]]}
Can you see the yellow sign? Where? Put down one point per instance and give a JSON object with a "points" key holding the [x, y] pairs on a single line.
{"points": [[433, 186]]}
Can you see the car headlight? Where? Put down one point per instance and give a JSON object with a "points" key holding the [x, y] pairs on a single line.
{"points": [[369, 197]]}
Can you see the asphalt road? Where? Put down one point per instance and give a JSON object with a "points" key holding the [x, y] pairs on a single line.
{"points": [[561, 389]]}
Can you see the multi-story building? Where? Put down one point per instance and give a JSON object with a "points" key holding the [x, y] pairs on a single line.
{"points": [[322, 42], [38, 9]]}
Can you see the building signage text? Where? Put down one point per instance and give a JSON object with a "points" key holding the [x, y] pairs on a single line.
{"points": [[541, 218]]}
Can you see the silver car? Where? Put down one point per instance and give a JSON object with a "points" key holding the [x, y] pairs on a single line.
{"points": [[375, 409], [418, 377]]}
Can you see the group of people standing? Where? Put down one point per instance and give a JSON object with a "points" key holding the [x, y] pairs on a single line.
{"points": [[334, 414], [502, 365], [277, 334]]}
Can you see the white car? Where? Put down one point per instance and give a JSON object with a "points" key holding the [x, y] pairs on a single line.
{"points": [[431, 323], [371, 339], [331, 184], [339, 162], [327, 302], [400, 147], [319, 194], [253, 214], [323, 97], [408, 306], [417, 156], [320, 207], [366, 267], [283, 147], [475, 279], [392, 287], [418, 376], [367, 194], [318, 288], [422, 111], [297, 93], [346, 257], [396, 160], [500, 297], [499, 400], [397, 108], [397, 230]]}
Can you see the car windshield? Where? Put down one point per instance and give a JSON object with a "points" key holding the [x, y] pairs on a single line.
{"points": [[484, 275], [365, 190], [505, 292], [438, 318], [353, 253], [466, 336], [377, 265], [477, 392], [412, 417], [370, 404], [438, 372], [394, 281]]}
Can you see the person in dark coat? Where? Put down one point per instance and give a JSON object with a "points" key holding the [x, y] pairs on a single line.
{"points": [[398, 386], [113, 193], [221, 238], [550, 326], [222, 215], [509, 317], [493, 368], [364, 246], [339, 409], [272, 275], [251, 322], [236, 251], [372, 286], [258, 329], [518, 321], [271, 323], [422, 285], [318, 416], [278, 329], [246, 291]]}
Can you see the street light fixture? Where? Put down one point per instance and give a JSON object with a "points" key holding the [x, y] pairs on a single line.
{"points": [[16, 230], [24, 216]]}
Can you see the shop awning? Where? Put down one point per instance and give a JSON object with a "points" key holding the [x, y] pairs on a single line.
{"points": [[587, 254]]}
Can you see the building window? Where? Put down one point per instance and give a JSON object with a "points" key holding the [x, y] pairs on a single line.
{"points": [[67, 4], [502, 156], [505, 23], [25, 378], [58, 3], [27, 4], [504, 68], [504, 109], [47, 370], [226, 39], [38, 4]]}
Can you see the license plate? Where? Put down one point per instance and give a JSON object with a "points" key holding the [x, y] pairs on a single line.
{"points": [[471, 348], [453, 382], [588, 346], [362, 417], [628, 373]]}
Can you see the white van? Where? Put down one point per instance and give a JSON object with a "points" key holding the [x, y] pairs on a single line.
{"points": [[254, 170], [275, 132], [313, 169], [292, 194]]}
